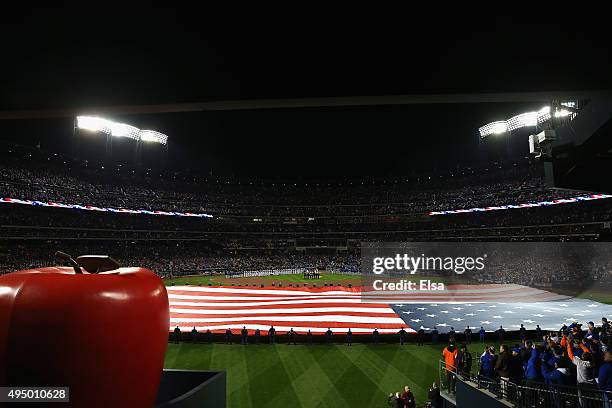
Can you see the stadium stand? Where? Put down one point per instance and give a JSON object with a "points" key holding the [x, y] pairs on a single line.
{"points": [[316, 219], [567, 367], [37, 175], [257, 229]]}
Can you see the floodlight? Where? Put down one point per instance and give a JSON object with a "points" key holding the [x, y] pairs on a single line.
{"points": [[522, 120], [124, 130], [544, 114], [493, 128], [526, 119], [93, 123], [117, 129], [561, 113], [153, 136]]}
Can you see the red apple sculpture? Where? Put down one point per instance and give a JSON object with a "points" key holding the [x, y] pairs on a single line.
{"points": [[104, 334]]}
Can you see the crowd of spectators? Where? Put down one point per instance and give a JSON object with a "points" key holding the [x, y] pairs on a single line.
{"points": [[524, 224], [172, 260], [40, 176], [555, 270], [573, 356], [556, 265], [259, 225]]}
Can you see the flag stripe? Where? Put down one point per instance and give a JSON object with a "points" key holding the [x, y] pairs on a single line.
{"points": [[283, 329], [273, 305], [218, 308], [316, 309], [297, 318], [356, 311]]}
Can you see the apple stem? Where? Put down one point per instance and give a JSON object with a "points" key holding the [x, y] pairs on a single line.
{"points": [[67, 258]]}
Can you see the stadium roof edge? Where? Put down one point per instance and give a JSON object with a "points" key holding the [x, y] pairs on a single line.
{"points": [[340, 101]]}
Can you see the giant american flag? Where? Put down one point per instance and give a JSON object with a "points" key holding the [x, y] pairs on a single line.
{"points": [[221, 307]]}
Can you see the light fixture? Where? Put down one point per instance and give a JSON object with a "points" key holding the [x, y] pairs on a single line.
{"points": [[526, 119], [493, 128], [116, 129], [153, 136]]}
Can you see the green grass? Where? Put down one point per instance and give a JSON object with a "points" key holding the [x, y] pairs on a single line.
{"points": [[601, 296], [266, 280], [319, 375], [326, 277], [192, 280]]}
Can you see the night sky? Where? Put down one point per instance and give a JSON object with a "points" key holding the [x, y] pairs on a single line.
{"points": [[54, 58]]}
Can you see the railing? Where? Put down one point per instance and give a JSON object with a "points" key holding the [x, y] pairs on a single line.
{"points": [[447, 376], [529, 394], [541, 395], [238, 273], [265, 272], [344, 270], [192, 272]]}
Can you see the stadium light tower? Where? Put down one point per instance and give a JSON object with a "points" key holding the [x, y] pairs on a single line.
{"points": [[115, 129], [547, 116], [528, 119]]}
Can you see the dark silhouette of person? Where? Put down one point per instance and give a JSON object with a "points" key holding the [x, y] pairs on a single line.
{"points": [[451, 335], [500, 334], [271, 334], [328, 336], [468, 335], [375, 336], [228, 336], [291, 335], [244, 333], [420, 336], [349, 337], [177, 334], [402, 336], [523, 333], [434, 335], [434, 396], [464, 361], [257, 336]]}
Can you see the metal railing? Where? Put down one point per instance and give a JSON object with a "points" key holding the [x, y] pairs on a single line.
{"points": [[526, 394], [265, 272]]}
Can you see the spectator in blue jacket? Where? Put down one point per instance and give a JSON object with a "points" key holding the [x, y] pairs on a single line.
{"points": [[605, 379], [532, 370], [487, 363], [558, 376]]}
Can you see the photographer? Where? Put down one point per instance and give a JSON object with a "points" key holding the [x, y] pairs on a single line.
{"points": [[464, 362], [395, 401], [434, 396]]}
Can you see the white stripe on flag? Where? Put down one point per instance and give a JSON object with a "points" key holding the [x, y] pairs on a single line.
{"points": [[303, 318], [286, 310]]}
